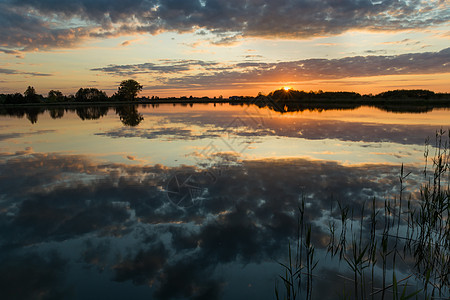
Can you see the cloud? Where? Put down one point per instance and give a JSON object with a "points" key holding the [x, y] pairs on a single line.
{"points": [[162, 67], [404, 41], [257, 56], [126, 43], [215, 75], [375, 51], [227, 40], [32, 24], [18, 54], [16, 72], [24, 30]]}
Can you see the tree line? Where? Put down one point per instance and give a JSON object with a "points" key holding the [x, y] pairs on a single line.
{"points": [[127, 91], [397, 101], [291, 94]]}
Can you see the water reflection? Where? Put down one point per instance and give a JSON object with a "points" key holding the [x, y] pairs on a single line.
{"points": [[311, 129], [182, 213], [121, 223], [56, 113], [91, 112], [298, 106], [33, 276], [31, 113], [130, 116]]}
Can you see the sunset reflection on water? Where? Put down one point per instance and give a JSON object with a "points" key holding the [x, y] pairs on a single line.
{"points": [[91, 206]]}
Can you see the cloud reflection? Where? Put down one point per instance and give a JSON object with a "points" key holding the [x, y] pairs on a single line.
{"points": [[33, 276], [222, 125], [247, 217]]}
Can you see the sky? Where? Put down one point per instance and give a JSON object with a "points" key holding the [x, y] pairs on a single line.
{"points": [[224, 47]]}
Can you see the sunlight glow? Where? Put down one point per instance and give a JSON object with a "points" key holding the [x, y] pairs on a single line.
{"points": [[287, 88]]}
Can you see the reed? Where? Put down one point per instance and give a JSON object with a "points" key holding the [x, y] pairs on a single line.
{"points": [[415, 230]]}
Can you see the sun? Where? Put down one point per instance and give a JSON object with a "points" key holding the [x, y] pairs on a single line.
{"points": [[287, 88]]}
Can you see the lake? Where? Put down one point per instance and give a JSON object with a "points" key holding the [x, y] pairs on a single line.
{"points": [[203, 201]]}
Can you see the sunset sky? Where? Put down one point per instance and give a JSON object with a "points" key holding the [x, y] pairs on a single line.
{"points": [[224, 47]]}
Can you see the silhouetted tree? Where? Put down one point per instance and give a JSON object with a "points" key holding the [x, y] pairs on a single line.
{"points": [[128, 90], [31, 96], [55, 96], [282, 94], [29, 92], [16, 98], [398, 94], [90, 95]]}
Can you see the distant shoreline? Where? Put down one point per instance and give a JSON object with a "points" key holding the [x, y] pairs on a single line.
{"points": [[282, 100], [372, 101], [115, 103]]}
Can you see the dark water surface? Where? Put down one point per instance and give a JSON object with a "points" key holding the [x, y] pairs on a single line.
{"points": [[198, 202]]}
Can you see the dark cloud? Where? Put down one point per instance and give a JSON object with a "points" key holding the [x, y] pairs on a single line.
{"points": [[214, 75], [227, 40], [15, 52], [255, 56], [375, 51], [26, 24], [24, 30], [162, 67], [16, 72]]}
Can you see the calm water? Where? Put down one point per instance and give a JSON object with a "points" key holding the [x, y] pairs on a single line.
{"points": [[188, 202]]}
